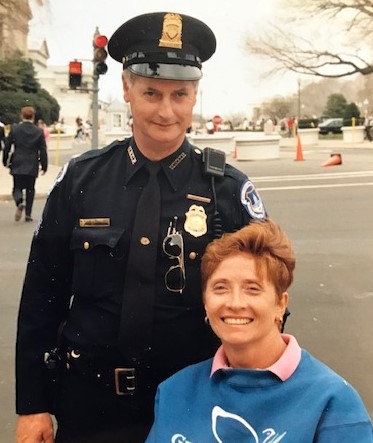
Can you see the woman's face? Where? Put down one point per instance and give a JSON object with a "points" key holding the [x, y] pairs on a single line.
{"points": [[242, 309]]}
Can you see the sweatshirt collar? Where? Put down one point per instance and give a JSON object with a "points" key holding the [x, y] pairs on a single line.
{"points": [[283, 368]]}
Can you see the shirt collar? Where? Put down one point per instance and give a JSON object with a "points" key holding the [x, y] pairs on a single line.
{"points": [[284, 367], [176, 166]]}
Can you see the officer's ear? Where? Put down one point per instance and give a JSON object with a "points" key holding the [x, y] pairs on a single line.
{"points": [[126, 88]]}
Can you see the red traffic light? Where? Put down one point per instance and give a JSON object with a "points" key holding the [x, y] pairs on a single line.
{"points": [[75, 74], [75, 67], [100, 41], [99, 54]]}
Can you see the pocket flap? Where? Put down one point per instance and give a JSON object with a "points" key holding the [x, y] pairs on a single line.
{"points": [[89, 238]]}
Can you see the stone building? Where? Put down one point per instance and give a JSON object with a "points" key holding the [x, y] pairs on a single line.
{"points": [[15, 16], [14, 19]]}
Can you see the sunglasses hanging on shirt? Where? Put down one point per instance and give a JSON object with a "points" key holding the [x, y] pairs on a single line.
{"points": [[173, 246]]}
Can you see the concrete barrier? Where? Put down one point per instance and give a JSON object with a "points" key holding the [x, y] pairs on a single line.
{"points": [[257, 146], [309, 136], [224, 142], [353, 134]]}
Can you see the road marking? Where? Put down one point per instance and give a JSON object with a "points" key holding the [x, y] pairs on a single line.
{"points": [[364, 295], [338, 185], [313, 176]]}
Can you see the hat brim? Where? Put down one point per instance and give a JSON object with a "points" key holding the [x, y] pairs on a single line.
{"points": [[166, 71]]}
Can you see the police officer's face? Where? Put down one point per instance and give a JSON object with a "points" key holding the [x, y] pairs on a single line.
{"points": [[161, 109]]}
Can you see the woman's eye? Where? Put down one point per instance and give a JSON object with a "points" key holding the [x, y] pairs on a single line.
{"points": [[220, 288], [253, 289]]}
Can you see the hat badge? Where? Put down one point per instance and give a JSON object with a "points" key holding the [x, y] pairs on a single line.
{"points": [[171, 31]]}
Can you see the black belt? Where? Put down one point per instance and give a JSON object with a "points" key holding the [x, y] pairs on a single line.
{"points": [[123, 379]]}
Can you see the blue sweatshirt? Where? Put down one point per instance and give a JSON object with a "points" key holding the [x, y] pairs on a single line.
{"points": [[314, 405]]}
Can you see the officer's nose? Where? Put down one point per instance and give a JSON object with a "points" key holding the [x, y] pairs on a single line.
{"points": [[165, 108]]}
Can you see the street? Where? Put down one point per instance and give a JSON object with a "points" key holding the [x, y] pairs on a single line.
{"points": [[327, 213]]}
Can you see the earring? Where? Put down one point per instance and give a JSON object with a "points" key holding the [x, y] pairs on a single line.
{"points": [[207, 321], [279, 320]]}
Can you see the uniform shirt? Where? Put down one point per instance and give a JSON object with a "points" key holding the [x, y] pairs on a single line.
{"points": [[312, 404], [77, 264]]}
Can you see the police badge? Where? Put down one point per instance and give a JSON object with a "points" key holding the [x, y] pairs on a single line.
{"points": [[196, 221]]}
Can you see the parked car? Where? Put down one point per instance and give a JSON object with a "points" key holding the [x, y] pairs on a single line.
{"points": [[331, 126]]}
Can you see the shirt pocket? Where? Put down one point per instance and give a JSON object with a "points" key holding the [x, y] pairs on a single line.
{"points": [[99, 261]]}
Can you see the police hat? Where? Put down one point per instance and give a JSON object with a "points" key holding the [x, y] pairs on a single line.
{"points": [[163, 45]]}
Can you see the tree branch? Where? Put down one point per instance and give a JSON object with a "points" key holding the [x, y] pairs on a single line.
{"points": [[293, 53]]}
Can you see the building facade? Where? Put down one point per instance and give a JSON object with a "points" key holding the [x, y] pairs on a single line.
{"points": [[15, 16]]}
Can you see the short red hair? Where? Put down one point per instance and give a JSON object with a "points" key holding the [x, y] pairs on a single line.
{"points": [[28, 112], [266, 242]]}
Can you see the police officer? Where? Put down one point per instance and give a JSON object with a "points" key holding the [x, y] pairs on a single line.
{"points": [[111, 303]]}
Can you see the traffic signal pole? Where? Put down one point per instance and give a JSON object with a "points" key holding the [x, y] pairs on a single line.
{"points": [[99, 68], [94, 139]]}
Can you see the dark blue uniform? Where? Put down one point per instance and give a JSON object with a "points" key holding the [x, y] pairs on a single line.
{"points": [[76, 275]]}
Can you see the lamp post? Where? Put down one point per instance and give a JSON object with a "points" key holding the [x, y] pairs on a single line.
{"points": [[366, 103], [299, 104]]}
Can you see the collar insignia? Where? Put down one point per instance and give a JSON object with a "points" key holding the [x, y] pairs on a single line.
{"points": [[172, 31], [177, 161], [131, 155]]}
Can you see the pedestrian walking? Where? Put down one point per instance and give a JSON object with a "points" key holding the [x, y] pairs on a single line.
{"points": [[111, 303], [2, 135], [28, 155]]}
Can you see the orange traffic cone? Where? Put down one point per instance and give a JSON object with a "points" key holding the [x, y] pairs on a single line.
{"points": [[299, 154], [335, 159]]}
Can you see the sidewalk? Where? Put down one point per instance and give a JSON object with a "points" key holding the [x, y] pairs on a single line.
{"points": [[45, 182]]}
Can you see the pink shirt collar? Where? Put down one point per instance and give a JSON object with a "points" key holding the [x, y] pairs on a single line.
{"points": [[284, 367]]}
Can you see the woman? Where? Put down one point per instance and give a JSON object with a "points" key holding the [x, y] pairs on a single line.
{"points": [[260, 386]]}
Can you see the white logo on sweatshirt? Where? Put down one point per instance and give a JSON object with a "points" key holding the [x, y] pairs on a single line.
{"points": [[220, 424]]}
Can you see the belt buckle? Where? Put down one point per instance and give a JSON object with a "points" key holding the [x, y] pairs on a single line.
{"points": [[125, 381]]}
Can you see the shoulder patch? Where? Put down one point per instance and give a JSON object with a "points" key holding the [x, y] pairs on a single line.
{"points": [[251, 201]]}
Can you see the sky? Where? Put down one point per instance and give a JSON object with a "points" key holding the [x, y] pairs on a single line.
{"points": [[233, 80]]}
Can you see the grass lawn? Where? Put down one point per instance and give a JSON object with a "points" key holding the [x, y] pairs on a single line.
{"points": [[331, 137]]}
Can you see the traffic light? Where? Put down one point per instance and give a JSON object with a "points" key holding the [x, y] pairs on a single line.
{"points": [[99, 54], [75, 74]]}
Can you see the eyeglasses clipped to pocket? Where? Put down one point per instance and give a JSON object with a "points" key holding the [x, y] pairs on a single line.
{"points": [[173, 246]]}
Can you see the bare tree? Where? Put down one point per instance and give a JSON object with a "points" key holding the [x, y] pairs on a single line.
{"points": [[287, 48]]}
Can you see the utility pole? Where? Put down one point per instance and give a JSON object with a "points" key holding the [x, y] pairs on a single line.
{"points": [[94, 139], [99, 68], [299, 105]]}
